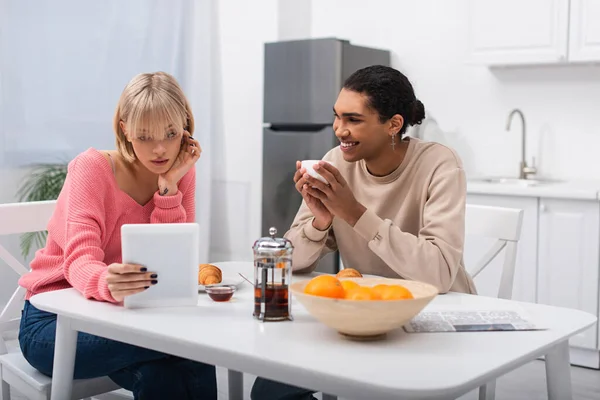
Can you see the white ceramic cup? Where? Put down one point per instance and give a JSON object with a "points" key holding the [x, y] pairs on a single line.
{"points": [[309, 166]]}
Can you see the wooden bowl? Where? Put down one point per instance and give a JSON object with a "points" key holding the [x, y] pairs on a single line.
{"points": [[366, 319]]}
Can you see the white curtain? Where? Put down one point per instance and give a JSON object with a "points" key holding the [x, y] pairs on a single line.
{"points": [[64, 63]]}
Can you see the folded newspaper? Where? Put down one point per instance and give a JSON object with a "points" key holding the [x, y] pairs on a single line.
{"points": [[471, 321]]}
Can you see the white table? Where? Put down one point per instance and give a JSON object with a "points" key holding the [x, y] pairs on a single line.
{"points": [[306, 353]]}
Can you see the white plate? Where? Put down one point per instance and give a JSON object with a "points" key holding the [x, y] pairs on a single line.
{"points": [[230, 271]]}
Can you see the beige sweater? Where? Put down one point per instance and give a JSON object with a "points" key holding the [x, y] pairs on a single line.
{"points": [[413, 227]]}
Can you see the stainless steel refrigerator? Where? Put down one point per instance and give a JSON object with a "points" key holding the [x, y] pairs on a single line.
{"points": [[301, 83]]}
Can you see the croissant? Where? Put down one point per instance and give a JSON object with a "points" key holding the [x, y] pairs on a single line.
{"points": [[349, 273], [209, 274]]}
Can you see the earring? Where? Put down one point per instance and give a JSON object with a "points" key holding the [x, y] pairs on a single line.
{"points": [[393, 142]]}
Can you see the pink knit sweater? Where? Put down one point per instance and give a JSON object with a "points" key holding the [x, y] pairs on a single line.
{"points": [[84, 233]]}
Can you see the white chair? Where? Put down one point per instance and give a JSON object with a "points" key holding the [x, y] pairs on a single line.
{"points": [[15, 371], [503, 224]]}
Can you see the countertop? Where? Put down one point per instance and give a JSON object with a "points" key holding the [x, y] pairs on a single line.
{"points": [[568, 189]]}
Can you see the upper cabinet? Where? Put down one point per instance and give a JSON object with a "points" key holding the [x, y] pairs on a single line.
{"points": [[530, 32], [584, 35]]}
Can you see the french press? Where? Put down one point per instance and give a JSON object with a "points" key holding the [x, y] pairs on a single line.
{"points": [[272, 277]]}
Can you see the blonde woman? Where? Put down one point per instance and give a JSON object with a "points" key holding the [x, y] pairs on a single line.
{"points": [[149, 178]]}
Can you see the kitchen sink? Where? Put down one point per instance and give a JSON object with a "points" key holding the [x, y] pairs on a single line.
{"points": [[516, 181]]}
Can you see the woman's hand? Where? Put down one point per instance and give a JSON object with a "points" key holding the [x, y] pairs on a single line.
{"points": [[336, 196], [187, 157], [127, 279], [323, 217]]}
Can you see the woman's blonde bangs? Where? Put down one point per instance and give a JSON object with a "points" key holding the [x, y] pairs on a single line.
{"points": [[153, 115]]}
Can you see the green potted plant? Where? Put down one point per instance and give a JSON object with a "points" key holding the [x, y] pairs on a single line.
{"points": [[43, 183]]}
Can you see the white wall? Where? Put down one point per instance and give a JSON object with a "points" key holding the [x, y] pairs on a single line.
{"points": [[471, 103], [244, 27], [294, 19]]}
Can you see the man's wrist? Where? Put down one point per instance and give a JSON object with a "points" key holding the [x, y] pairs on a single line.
{"points": [[355, 215], [320, 225]]}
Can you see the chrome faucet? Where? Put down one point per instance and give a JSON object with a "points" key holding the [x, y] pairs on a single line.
{"points": [[524, 169]]}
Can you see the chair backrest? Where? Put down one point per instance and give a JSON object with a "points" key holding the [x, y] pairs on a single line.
{"points": [[503, 224], [18, 218]]}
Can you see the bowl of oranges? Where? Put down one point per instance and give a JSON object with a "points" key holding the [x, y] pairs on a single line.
{"points": [[362, 308]]}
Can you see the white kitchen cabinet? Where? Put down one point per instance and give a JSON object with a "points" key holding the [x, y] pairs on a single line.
{"points": [[584, 31], [525, 281], [511, 32], [569, 237]]}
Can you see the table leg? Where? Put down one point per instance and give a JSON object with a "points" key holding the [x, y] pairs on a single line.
{"points": [[64, 359], [235, 382], [558, 372], [5, 393], [488, 391]]}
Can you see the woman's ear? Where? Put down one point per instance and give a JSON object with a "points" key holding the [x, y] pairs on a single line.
{"points": [[122, 126], [396, 124]]}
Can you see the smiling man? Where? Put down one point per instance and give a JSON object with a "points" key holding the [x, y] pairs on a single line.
{"points": [[393, 206]]}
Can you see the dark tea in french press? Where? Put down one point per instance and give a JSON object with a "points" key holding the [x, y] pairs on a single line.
{"points": [[272, 277]]}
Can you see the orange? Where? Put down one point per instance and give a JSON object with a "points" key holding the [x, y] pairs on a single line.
{"points": [[325, 286], [396, 292], [349, 285], [360, 293], [378, 290]]}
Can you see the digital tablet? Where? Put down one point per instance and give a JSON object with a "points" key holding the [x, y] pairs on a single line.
{"points": [[172, 252]]}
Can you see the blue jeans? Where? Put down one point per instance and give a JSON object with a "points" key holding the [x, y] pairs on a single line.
{"points": [[264, 389], [147, 373]]}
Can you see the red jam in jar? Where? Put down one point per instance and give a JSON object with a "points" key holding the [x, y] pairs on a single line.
{"points": [[220, 293]]}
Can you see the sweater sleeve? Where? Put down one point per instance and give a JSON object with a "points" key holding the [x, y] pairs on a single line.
{"points": [[310, 244], [434, 255], [181, 207], [84, 267]]}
